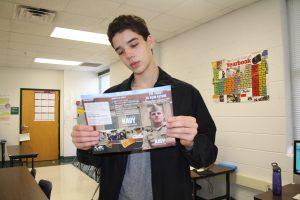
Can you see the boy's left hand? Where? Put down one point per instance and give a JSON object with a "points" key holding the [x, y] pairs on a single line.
{"points": [[183, 128]]}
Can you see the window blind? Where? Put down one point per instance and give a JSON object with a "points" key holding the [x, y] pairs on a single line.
{"points": [[294, 35]]}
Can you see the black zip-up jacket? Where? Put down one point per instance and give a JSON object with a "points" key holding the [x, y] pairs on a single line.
{"points": [[169, 166]]}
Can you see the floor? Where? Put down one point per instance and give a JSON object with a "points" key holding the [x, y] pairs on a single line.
{"points": [[214, 186], [69, 183]]}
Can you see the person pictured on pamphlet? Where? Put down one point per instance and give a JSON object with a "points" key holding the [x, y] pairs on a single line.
{"points": [[158, 174], [157, 135]]}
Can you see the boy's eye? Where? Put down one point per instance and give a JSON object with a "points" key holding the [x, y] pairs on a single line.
{"points": [[134, 44], [120, 52]]}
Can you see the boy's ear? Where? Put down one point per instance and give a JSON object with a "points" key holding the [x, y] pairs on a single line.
{"points": [[150, 41]]}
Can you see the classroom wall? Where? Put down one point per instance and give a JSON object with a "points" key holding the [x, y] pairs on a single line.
{"points": [[250, 135], [75, 83], [11, 80], [70, 83]]}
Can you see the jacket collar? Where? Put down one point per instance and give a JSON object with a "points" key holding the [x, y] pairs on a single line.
{"points": [[163, 79]]}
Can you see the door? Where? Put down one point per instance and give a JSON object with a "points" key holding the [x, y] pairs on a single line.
{"points": [[40, 118]]}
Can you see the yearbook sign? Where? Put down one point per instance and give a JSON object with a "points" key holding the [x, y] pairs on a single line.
{"points": [[243, 79], [128, 121]]}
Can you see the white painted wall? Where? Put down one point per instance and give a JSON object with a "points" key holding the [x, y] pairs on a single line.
{"points": [[75, 83], [252, 135], [11, 80], [118, 73], [70, 83]]}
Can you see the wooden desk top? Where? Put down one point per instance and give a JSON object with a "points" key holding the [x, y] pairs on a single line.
{"points": [[288, 192], [20, 151], [211, 171], [17, 183]]}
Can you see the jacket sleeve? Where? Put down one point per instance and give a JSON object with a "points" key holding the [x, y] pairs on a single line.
{"points": [[86, 157], [204, 151]]}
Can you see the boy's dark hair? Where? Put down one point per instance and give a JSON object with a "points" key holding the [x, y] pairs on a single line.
{"points": [[123, 22]]}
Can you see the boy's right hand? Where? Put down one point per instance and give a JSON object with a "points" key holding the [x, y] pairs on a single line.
{"points": [[84, 137]]}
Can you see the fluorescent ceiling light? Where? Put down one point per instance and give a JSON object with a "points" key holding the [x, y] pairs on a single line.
{"points": [[56, 62], [77, 35]]}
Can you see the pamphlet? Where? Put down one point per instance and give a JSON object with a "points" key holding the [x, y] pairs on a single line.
{"points": [[128, 121]]}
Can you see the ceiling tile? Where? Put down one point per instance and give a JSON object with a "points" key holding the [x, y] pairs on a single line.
{"points": [[186, 28], [119, 1], [61, 67], [242, 4], [155, 5], [23, 47], [24, 58], [79, 47], [93, 8], [4, 44], [4, 35], [193, 9], [3, 60], [215, 15], [3, 52], [54, 55], [75, 21], [132, 10], [159, 35], [31, 28], [22, 40], [13, 52], [168, 23], [229, 3], [5, 24], [17, 62], [27, 38], [6, 10], [55, 5]]}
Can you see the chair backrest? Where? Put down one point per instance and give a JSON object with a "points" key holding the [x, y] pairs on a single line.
{"points": [[46, 186], [33, 172]]}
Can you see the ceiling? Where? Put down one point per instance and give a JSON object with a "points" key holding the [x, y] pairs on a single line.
{"points": [[22, 41]]}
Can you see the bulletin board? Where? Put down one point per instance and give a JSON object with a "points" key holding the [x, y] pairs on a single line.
{"points": [[242, 79]]}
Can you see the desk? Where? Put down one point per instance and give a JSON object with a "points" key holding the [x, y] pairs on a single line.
{"points": [[288, 192], [17, 183], [19, 152], [210, 172]]}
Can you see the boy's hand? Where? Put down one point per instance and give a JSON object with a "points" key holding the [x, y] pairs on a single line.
{"points": [[84, 137], [183, 128]]}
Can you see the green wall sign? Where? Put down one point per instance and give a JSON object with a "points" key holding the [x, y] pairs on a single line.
{"points": [[14, 110]]}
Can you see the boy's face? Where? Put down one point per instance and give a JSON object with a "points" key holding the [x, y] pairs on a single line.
{"points": [[133, 50]]}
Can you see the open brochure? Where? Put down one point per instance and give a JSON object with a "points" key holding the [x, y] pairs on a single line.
{"points": [[128, 121]]}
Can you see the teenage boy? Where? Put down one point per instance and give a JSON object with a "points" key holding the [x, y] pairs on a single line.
{"points": [[161, 174]]}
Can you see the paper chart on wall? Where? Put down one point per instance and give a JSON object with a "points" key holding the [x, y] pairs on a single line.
{"points": [[44, 106], [4, 108], [243, 79]]}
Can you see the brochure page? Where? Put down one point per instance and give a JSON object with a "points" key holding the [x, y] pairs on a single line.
{"points": [[128, 121]]}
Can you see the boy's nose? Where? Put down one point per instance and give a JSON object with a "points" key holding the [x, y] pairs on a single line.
{"points": [[129, 54]]}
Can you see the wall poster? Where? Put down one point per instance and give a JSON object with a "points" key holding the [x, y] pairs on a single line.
{"points": [[4, 108], [44, 102], [243, 79]]}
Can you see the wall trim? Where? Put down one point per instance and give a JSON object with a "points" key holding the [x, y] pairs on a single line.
{"points": [[250, 182]]}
